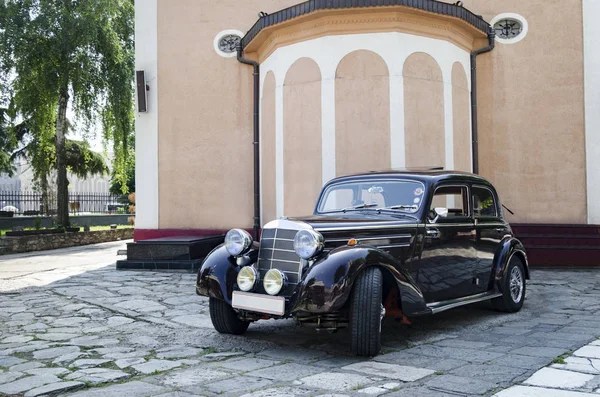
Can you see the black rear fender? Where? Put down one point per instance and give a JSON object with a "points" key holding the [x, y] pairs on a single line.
{"points": [[508, 248]]}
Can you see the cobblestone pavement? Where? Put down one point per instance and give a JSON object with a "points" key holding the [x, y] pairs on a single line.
{"points": [[96, 331]]}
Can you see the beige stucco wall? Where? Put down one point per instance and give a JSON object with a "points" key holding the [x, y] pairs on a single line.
{"points": [[531, 112], [423, 112], [268, 194], [362, 106], [531, 131], [461, 119], [302, 137], [205, 115]]}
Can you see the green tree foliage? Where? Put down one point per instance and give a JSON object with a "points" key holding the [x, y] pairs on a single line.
{"points": [[116, 186], [60, 53], [7, 145]]}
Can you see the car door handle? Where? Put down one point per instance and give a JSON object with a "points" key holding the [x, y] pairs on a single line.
{"points": [[433, 233], [499, 229]]}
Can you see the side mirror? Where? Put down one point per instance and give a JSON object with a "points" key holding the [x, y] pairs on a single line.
{"points": [[440, 212]]}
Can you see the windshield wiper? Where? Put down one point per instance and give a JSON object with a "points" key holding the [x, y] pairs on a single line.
{"points": [[359, 206], [401, 207]]}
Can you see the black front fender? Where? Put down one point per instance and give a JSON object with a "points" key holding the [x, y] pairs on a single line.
{"points": [[326, 286], [219, 273], [509, 246]]}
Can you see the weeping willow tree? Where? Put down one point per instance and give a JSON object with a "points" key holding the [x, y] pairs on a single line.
{"points": [[80, 159], [7, 145], [57, 54]]}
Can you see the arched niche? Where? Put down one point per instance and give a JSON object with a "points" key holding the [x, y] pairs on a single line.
{"points": [[424, 132], [362, 113], [302, 137]]}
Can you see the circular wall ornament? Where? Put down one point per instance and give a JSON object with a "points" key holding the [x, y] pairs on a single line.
{"points": [[509, 28], [226, 41]]}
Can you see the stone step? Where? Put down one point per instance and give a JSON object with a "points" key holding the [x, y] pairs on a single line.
{"points": [[187, 265], [172, 248]]}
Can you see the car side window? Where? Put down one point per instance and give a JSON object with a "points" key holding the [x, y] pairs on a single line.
{"points": [[455, 198], [484, 204]]}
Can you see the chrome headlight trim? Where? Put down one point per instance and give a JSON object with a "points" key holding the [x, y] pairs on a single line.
{"points": [[238, 242], [274, 281], [308, 243], [247, 278]]}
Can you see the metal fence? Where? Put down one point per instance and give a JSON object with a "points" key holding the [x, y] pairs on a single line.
{"points": [[33, 203]]}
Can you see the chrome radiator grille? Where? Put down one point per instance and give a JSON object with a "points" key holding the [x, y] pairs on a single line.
{"points": [[277, 252]]}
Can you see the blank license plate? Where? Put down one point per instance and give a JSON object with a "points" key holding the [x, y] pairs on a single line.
{"points": [[259, 303]]}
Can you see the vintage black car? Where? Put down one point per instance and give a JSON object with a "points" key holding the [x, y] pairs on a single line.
{"points": [[399, 244]]}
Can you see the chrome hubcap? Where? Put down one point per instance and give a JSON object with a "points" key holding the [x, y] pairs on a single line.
{"points": [[382, 316], [516, 284]]}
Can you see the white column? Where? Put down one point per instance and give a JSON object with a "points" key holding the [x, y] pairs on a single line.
{"points": [[328, 126], [146, 124], [448, 126], [279, 149], [591, 59], [397, 147]]}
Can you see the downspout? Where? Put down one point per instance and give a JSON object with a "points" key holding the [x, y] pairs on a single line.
{"points": [[474, 129], [256, 75]]}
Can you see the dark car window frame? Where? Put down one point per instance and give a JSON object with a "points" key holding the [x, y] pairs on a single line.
{"points": [[494, 198], [454, 219], [366, 181]]}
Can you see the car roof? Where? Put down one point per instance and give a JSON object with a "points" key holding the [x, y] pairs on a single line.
{"points": [[427, 175]]}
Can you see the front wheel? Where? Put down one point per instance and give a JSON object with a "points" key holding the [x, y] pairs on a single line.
{"points": [[225, 319], [514, 289], [366, 313]]}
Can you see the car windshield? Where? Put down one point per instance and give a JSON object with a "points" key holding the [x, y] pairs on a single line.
{"points": [[389, 194]]}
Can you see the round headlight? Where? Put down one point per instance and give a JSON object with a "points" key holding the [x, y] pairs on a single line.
{"points": [[237, 241], [274, 281], [308, 243], [246, 279]]}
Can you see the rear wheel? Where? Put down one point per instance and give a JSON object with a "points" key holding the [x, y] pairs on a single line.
{"points": [[514, 289], [366, 313], [225, 319]]}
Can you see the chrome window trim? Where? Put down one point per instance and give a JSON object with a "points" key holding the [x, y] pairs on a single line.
{"points": [[497, 216], [454, 184], [367, 180]]}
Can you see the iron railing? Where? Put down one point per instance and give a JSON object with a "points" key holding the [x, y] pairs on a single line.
{"points": [[33, 203]]}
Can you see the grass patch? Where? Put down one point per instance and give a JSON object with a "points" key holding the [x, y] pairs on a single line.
{"points": [[559, 360], [438, 373], [208, 350]]}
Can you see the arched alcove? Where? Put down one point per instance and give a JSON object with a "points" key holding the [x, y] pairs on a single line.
{"points": [[302, 137], [424, 133], [362, 113]]}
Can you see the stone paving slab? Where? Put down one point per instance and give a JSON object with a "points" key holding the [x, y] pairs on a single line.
{"points": [[522, 391], [573, 375], [137, 334]]}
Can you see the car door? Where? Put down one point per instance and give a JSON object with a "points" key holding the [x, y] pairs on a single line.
{"points": [[491, 229], [446, 267]]}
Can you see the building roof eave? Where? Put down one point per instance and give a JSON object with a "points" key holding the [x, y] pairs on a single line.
{"points": [[310, 6]]}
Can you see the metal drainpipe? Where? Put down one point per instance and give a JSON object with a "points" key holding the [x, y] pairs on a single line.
{"points": [[256, 75], [474, 143]]}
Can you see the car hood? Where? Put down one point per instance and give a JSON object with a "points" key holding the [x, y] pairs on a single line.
{"points": [[356, 221]]}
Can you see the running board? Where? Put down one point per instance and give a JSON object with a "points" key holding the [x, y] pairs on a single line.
{"points": [[437, 307]]}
